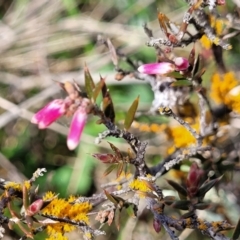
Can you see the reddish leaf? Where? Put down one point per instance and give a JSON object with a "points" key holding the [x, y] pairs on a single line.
{"points": [[131, 113], [116, 151], [89, 84], [107, 104], [98, 88], [191, 56], [105, 157]]}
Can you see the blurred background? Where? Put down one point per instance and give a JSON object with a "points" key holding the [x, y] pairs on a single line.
{"points": [[49, 41]]}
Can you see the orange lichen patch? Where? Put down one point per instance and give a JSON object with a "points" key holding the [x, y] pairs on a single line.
{"points": [[202, 225], [181, 137], [225, 89], [205, 41], [64, 209]]}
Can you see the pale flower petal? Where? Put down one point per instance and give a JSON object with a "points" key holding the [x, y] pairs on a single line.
{"points": [[181, 63], [76, 128], [50, 113], [157, 68]]}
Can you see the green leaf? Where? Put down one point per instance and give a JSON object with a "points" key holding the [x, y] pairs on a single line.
{"points": [[109, 169], [98, 88], [178, 187], [131, 210], [196, 66], [175, 74], [187, 215], [120, 169], [89, 84], [236, 233], [117, 218], [207, 186], [181, 83], [202, 206], [169, 200], [110, 198], [131, 113], [182, 204]]}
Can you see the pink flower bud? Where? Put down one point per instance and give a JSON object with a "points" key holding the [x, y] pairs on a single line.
{"points": [[35, 207], [181, 63], [221, 2], [76, 128], [157, 68], [156, 225], [105, 157], [50, 113], [193, 179]]}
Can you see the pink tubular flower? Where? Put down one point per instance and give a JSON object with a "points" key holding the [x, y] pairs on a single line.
{"points": [[76, 128], [50, 113], [157, 68], [162, 68]]}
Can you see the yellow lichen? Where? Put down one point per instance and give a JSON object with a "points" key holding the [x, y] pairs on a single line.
{"points": [[65, 209], [218, 25], [225, 90], [137, 184], [15, 186]]}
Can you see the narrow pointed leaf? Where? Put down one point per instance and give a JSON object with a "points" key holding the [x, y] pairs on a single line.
{"points": [[131, 210], [178, 187], [175, 74], [98, 88], [131, 113], [191, 56], [236, 233], [112, 51], [182, 204], [202, 206], [111, 198], [200, 73], [187, 215], [196, 65], [105, 157], [181, 83], [116, 151], [107, 104], [117, 218], [207, 186], [110, 169], [89, 84], [120, 169], [169, 200]]}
